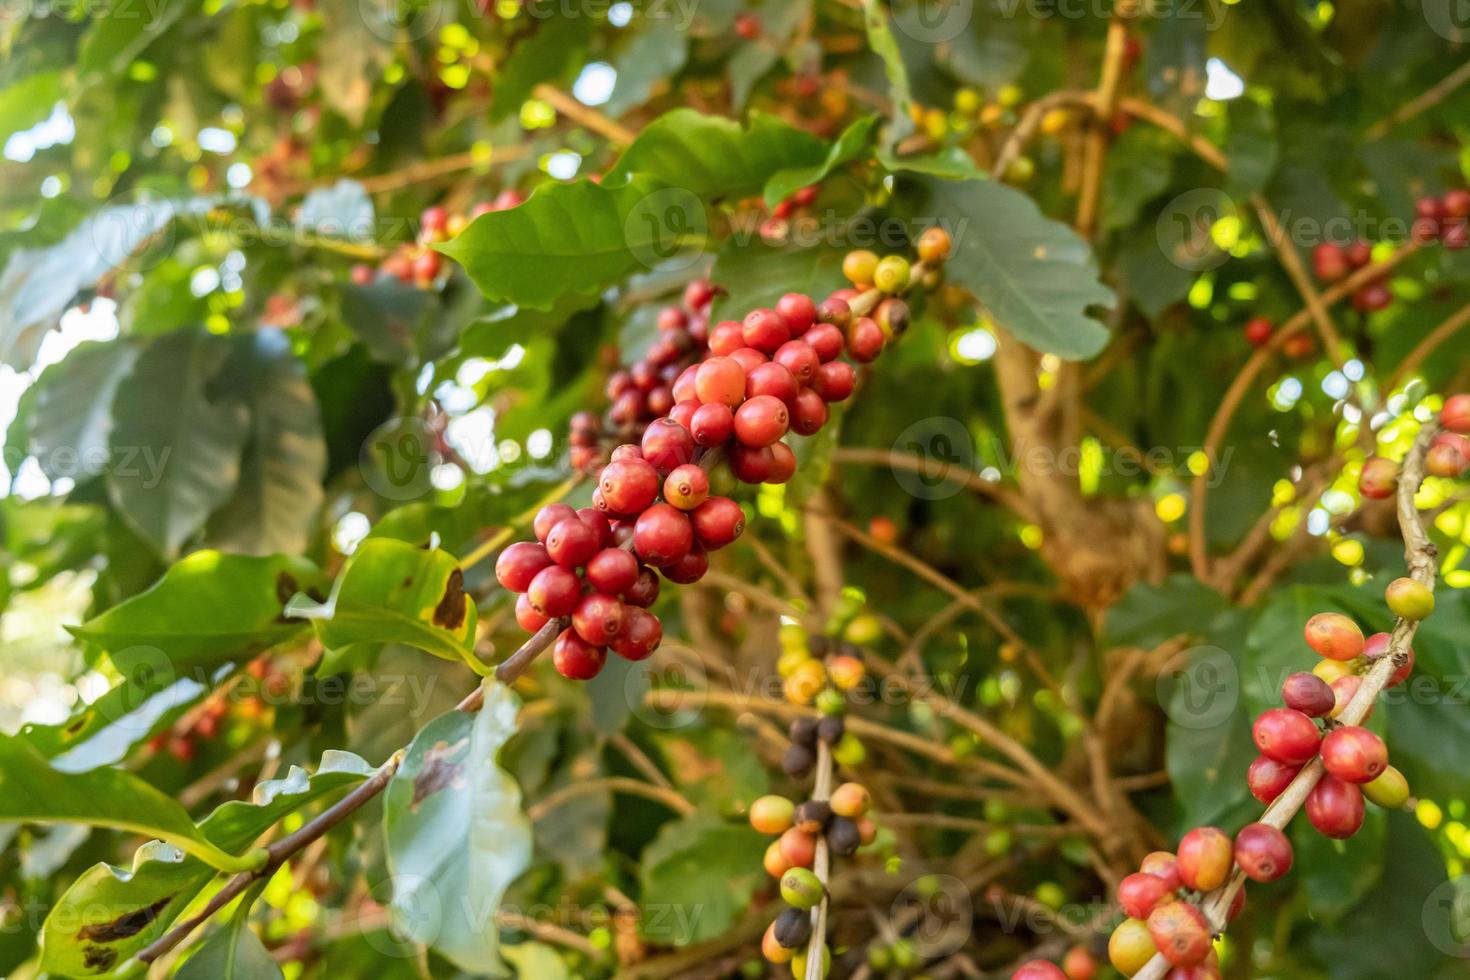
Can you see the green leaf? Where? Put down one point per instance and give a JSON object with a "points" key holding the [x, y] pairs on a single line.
{"points": [[538, 960], [455, 832], [389, 316], [576, 238], [28, 101], [1035, 276], [232, 952], [111, 913], [1149, 614], [175, 446], [31, 791], [120, 33], [555, 46], [1139, 167], [698, 876], [712, 157], [951, 163], [882, 41], [274, 509], [850, 145], [655, 53], [207, 610], [755, 273], [395, 592]]}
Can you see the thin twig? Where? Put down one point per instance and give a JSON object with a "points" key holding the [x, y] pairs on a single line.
{"points": [[822, 790], [1430, 98]]}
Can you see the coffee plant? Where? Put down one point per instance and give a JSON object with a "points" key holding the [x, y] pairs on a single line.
{"points": [[734, 488]]}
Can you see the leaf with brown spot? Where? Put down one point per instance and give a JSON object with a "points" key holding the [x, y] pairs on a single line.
{"points": [[439, 772], [450, 611], [125, 925]]}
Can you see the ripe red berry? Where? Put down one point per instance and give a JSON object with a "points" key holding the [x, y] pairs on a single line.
{"points": [[1344, 689], [690, 568], [1379, 478], [433, 220], [628, 485], [1456, 235], [687, 486], [612, 570], [1268, 778], [1287, 736], [725, 338], [1164, 865], [1445, 459], [751, 464], [598, 618], [808, 412], [1429, 207], [1372, 298], [1262, 852], [672, 318], [572, 542], [526, 616], [1309, 694], [1258, 330], [575, 658], [1424, 230], [1140, 893], [667, 444], [826, 341], [748, 26], [1354, 754], [662, 535], [748, 358], [628, 407], [598, 521], [660, 400], [771, 379], [1329, 262], [721, 380], [783, 463], [865, 340], [717, 522], [1456, 203], [641, 635], [1038, 970], [761, 421], [1335, 808], [555, 591], [549, 517], [1358, 254], [712, 424], [1181, 933], [798, 357], [834, 381], [799, 312], [765, 330], [519, 563], [683, 412], [1334, 636], [645, 589], [1206, 856]]}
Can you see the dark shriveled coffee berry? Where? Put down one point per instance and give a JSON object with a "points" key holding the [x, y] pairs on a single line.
{"points": [[798, 761], [793, 928], [831, 729], [803, 731], [843, 837], [813, 816]]}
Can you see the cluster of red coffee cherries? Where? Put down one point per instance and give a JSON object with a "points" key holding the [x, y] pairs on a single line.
{"points": [[1331, 262], [1159, 900], [1259, 330], [416, 262], [657, 503], [1448, 455], [1442, 219]]}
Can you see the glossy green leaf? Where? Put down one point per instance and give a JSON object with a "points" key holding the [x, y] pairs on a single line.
{"points": [[850, 145], [698, 876], [1035, 276], [395, 592], [208, 609], [456, 834], [73, 409]]}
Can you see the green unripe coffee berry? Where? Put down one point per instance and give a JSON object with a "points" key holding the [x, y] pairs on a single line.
{"points": [[998, 842], [792, 637], [1390, 790], [905, 954], [892, 275], [865, 629], [967, 100], [801, 888], [798, 965], [849, 752], [1409, 599], [831, 702]]}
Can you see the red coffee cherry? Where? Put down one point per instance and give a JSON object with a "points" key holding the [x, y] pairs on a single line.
{"points": [[771, 379], [1334, 636], [1379, 478], [549, 517], [572, 542], [1258, 330], [1287, 736], [721, 380], [644, 591], [1206, 857], [598, 521], [555, 591], [808, 412], [598, 618], [1372, 298], [1181, 933], [783, 463], [527, 617], [662, 535], [690, 568], [1455, 415], [1354, 754], [687, 486], [1335, 808], [1344, 689], [575, 658], [1446, 460], [1162, 864], [765, 330], [667, 444], [672, 318], [751, 464], [518, 565], [612, 570], [628, 485], [683, 412], [798, 357], [864, 340], [726, 338], [1262, 852], [799, 312], [1141, 893], [1268, 778], [1309, 694], [641, 635], [1358, 254], [627, 450], [834, 381], [1329, 262], [826, 341], [749, 359], [761, 421], [712, 424], [1456, 203], [1038, 970], [717, 522], [836, 311]]}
